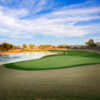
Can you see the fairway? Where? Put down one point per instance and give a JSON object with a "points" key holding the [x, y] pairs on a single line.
{"points": [[66, 59]]}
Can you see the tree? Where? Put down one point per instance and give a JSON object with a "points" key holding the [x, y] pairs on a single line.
{"points": [[31, 46], [24, 46], [6, 46], [0, 47], [46, 46], [63, 46], [91, 43], [14, 47]]}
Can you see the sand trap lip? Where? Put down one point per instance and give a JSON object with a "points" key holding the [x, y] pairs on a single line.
{"points": [[22, 57]]}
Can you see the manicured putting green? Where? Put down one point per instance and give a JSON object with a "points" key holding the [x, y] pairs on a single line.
{"points": [[66, 59]]}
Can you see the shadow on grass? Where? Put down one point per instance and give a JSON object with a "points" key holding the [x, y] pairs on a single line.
{"points": [[13, 66]]}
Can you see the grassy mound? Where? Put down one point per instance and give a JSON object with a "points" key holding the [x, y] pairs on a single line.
{"points": [[66, 59]]}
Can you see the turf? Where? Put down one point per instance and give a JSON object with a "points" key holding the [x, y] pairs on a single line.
{"points": [[66, 59]]}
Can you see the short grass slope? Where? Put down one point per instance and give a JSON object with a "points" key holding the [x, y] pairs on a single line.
{"points": [[64, 59]]}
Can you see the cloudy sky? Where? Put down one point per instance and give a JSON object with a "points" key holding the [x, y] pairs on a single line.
{"points": [[49, 21]]}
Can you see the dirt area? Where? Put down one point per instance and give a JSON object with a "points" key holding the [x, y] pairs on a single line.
{"points": [[3, 53], [80, 82]]}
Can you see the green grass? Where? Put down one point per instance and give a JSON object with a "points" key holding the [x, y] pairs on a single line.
{"points": [[66, 59]]}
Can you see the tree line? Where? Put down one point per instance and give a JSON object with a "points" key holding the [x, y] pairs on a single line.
{"points": [[92, 44], [89, 44], [7, 46]]}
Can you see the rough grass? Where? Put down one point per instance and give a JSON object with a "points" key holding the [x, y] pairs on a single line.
{"points": [[65, 59], [83, 53]]}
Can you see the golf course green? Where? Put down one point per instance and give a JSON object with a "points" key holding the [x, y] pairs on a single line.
{"points": [[63, 59]]}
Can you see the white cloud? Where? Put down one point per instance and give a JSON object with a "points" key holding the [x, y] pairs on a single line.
{"points": [[36, 6], [61, 22]]}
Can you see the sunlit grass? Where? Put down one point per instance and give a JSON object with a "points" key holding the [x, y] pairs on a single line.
{"points": [[66, 59]]}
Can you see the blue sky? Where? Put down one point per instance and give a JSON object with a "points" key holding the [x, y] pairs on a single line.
{"points": [[49, 21]]}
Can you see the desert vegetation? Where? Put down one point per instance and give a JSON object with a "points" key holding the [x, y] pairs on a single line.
{"points": [[90, 44]]}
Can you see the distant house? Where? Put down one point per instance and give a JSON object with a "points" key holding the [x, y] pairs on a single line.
{"points": [[98, 46], [78, 47]]}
